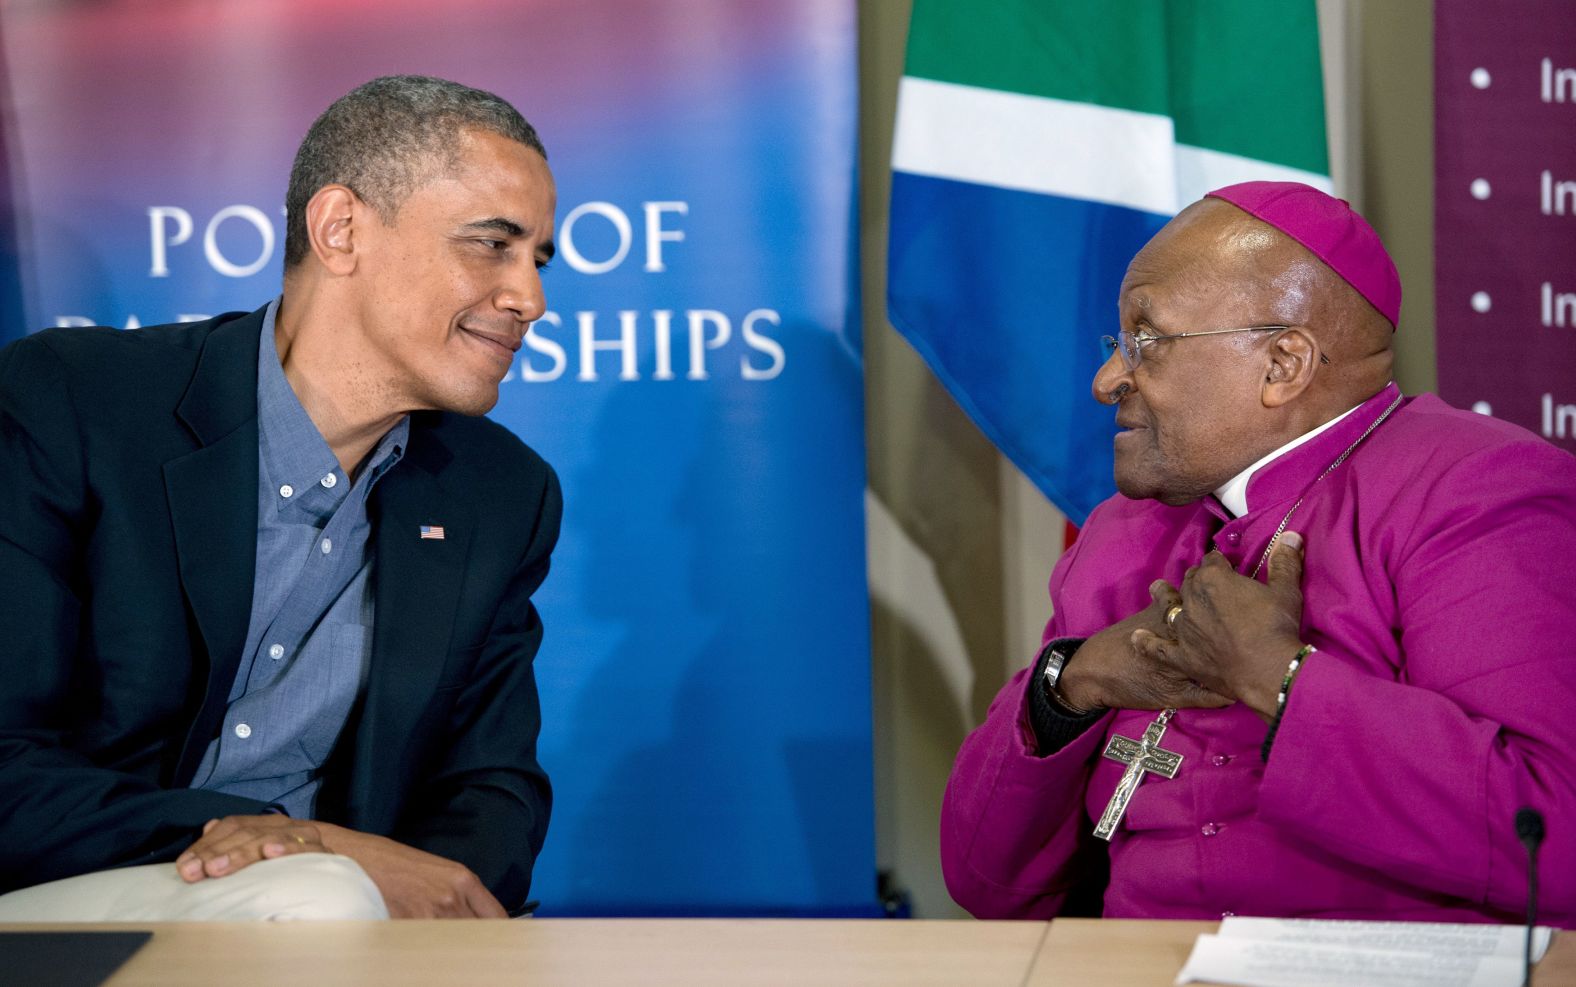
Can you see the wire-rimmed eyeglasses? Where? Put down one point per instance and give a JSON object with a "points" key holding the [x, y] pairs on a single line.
{"points": [[1131, 344]]}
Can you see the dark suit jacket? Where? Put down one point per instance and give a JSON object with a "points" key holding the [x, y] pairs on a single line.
{"points": [[128, 519]]}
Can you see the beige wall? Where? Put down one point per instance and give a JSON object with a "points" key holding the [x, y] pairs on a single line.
{"points": [[960, 544]]}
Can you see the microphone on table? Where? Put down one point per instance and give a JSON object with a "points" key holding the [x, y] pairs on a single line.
{"points": [[1529, 830]]}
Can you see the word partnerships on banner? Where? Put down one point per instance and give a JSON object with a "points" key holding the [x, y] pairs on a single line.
{"points": [[595, 238]]}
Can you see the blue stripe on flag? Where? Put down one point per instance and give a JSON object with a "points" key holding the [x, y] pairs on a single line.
{"points": [[1006, 295]]}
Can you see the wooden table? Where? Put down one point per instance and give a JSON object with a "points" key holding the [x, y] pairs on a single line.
{"points": [[533, 952], [1117, 952], [694, 953], [1129, 952]]}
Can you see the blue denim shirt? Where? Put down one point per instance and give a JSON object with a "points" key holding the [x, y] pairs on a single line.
{"points": [[310, 635]]}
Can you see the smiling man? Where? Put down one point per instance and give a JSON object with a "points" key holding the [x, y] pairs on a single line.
{"points": [[265, 584], [1315, 655]]}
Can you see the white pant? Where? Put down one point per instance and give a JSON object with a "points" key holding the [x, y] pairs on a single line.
{"points": [[298, 886]]}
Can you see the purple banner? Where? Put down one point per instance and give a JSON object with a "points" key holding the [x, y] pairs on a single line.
{"points": [[1505, 211]]}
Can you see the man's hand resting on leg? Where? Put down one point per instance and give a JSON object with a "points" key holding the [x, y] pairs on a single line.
{"points": [[414, 883]]}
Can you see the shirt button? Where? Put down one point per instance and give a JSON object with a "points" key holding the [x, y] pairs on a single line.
{"points": [[1209, 829], [243, 731], [286, 490], [1227, 914], [1220, 760], [329, 481], [1233, 537], [276, 651], [328, 546]]}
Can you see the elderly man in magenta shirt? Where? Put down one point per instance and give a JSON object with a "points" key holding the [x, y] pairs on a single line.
{"points": [[1360, 606]]}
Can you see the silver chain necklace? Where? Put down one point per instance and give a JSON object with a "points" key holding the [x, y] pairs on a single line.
{"points": [[1339, 460]]}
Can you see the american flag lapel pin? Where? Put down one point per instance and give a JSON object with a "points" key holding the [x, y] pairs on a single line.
{"points": [[434, 531]]}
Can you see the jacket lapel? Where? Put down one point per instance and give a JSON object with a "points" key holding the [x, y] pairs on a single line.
{"points": [[212, 494], [417, 583]]}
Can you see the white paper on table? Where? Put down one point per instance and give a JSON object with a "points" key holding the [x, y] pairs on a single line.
{"points": [[1443, 938], [1260, 963]]}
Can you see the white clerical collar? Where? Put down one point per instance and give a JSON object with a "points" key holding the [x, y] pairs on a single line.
{"points": [[1233, 495]]}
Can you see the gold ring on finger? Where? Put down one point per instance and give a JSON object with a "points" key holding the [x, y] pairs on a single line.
{"points": [[1172, 614], [298, 839]]}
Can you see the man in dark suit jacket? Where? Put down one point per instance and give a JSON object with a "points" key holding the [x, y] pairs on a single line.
{"points": [[158, 627]]}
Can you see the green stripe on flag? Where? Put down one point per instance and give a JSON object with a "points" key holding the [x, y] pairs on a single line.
{"points": [[1245, 78], [1239, 76], [1064, 49]]}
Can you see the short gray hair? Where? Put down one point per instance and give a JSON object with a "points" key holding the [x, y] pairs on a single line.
{"points": [[385, 138]]}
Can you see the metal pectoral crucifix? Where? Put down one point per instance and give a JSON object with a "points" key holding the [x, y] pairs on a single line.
{"points": [[1140, 756]]}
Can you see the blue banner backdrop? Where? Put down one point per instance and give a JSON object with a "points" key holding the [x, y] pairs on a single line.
{"points": [[705, 676]]}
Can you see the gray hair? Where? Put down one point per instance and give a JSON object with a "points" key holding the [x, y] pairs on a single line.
{"points": [[383, 139]]}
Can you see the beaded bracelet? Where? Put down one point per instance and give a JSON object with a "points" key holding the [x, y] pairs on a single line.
{"points": [[1280, 699], [1291, 673]]}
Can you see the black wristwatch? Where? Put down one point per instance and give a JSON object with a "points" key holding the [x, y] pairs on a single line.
{"points": [[1056, 660]]}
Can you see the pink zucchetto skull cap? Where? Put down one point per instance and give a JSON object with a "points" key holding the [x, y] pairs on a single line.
{"points": [[1331, 229]]}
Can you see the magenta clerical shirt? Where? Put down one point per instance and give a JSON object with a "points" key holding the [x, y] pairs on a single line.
{"points": [[1440, 588]]}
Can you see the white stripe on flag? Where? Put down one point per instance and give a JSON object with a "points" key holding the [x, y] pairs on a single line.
{"points": [[1056, 147], [1200, 170], [1035, 144]]}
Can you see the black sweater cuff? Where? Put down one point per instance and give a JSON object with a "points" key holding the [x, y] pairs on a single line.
{"points": [[1053, 726]]}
